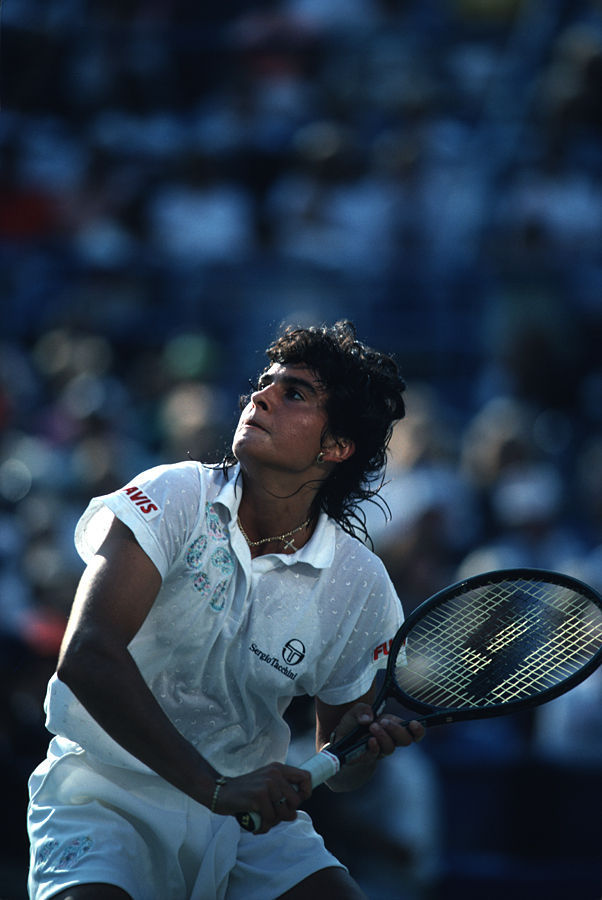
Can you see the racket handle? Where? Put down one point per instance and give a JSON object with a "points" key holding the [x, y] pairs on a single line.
{"points": [[321, 767]]}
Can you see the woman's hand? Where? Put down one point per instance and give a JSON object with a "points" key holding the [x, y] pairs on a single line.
{"points": [[387, 733], [275, 792]]}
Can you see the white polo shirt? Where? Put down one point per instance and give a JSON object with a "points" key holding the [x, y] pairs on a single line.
{"points": [[231, 640]]}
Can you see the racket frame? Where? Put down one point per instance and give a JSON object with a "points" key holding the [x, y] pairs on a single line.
{"points": [[353, 743], [436, 715], [327, 762]]}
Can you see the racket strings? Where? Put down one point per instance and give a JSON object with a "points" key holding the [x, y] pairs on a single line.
{"points": [[442, 663], [499, 643], [563, 654]]}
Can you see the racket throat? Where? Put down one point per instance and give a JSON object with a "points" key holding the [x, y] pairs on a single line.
{"points": [[351, 746]]}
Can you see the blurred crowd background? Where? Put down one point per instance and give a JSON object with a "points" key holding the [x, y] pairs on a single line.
{"points": [[179, 178]]}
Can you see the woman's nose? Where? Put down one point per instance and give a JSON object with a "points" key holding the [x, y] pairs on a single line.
{"points": [[260, 397]]}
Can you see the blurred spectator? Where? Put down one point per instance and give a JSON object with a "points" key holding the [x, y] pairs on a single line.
{"points": [[529, 524], [569, 729], [434, 516], [332, 213], [200, 218]]}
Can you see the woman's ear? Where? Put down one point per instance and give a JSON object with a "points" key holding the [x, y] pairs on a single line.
{"points": [[337, 450]]}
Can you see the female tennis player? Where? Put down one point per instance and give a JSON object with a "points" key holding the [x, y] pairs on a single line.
{"points": [[211, 597]]}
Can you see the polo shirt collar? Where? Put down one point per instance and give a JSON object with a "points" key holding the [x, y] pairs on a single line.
{"points": [[318, 552], [230, 494]]}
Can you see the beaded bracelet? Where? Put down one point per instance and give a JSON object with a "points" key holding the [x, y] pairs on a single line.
{"points": [[219, 782]]}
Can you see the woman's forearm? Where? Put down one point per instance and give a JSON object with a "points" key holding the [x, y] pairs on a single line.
{"points": [[108, 683]]}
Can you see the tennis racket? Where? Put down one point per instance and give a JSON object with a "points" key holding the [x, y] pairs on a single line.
{"points": [[487, 646]]}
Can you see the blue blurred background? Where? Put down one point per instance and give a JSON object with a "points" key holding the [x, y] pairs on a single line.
{"points": [[176, 180]]}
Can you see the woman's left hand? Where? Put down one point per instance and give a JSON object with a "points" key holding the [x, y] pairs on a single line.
{"points": [[387, 732]]}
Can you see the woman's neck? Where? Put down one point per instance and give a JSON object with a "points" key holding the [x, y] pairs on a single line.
{"points": [[264, 513]]}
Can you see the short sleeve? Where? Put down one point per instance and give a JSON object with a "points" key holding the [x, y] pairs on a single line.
{"points": [[366, 647], [161, 506]]}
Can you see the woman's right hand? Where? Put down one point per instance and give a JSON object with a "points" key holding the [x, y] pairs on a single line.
{"points": [[275, 792]]}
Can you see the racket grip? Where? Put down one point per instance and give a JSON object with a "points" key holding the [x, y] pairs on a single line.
{"points": [[321, 767]]}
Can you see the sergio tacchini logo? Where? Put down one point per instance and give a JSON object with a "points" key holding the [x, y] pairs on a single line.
{"points": [[293, 652]]}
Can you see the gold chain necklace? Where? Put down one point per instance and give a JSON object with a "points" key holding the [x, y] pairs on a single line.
{"points": [[288, 545]]}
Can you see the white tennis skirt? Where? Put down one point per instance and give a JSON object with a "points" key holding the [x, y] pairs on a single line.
{"points": [[90, 822]]}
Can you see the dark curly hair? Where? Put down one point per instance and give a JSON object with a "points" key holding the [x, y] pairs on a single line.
{"points": [[363, 401]]}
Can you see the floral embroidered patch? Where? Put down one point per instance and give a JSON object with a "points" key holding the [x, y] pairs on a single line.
{"points": [[201, 584], [44, 851], [70, 853], [211, 566], [74, 851], [218, 597], [214, 524], [222, 560], [194, 556]]}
